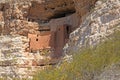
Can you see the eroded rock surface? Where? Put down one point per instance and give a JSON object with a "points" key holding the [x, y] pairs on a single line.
{"points": [[96, 27]]}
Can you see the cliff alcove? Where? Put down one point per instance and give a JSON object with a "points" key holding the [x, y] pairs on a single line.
{"points": [[50, 9]]}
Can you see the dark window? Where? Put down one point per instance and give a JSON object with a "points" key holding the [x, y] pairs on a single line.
{"points": [[68, 29], [29, 19], [2, 9], [59, 29], [36, 39], [44, 30], [62, 14], [46, 8]]}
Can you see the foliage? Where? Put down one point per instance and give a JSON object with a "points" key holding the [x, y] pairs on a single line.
{"points": [[87, 63]]}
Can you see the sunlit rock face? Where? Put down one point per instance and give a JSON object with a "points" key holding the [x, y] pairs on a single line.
{"points": [[96, 27]]}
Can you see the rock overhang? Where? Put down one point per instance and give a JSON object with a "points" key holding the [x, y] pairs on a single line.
{"points": [[51, 9]]}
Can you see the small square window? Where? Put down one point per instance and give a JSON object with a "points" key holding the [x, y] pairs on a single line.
{"points": [[36, 39], [59, 29]]}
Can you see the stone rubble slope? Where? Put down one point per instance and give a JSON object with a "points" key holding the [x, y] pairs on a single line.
{"points": [[101, 22]]}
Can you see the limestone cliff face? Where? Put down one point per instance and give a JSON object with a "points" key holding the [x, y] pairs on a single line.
{"points": [[32, 16], [96, 27]]}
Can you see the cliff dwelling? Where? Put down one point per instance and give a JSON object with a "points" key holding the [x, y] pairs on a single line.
{"points": [[53, 35], [54, 29], [47, 24]]}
